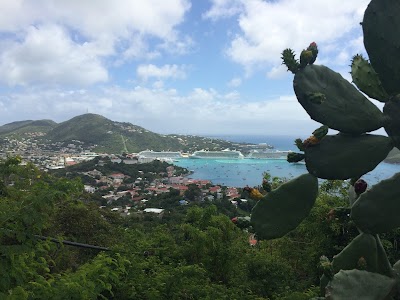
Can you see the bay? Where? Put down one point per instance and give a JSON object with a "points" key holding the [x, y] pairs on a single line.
{"points": [[249, 172]]}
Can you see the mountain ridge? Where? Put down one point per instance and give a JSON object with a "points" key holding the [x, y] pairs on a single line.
{"points": [[105, 135]]}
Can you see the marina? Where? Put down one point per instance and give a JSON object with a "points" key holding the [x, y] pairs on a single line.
{"points": [[246, 171]]}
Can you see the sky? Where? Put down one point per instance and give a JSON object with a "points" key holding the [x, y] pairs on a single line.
{"points": [[208, 67]]}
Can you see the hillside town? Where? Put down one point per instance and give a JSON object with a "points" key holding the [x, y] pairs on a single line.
{"points": [[124, 194], [120, 192]]}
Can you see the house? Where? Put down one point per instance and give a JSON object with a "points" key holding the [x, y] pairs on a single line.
{"points": [[117, 176], [232, 193], [89, 189], [157, 211], [94, 173], [215, 189]]}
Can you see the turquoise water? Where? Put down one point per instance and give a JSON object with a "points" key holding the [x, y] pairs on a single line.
{"points": [[242, 172]]}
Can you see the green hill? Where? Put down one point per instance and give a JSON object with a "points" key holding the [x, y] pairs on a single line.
{"points": [[21, 128], [118, 137]]}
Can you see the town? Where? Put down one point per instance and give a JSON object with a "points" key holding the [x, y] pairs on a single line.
{"points": [[127, 184]]}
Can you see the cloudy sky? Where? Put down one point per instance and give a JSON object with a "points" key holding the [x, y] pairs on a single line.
{"points": [[171, 66]]}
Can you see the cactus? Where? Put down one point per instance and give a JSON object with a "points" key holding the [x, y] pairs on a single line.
{"points": [[382, 40], [343, 156], [295, 157], [333, 101], [392, 125], [357, 284], [282, 209], [362, 269], [380, 216], [290, 61], [366, 79]]}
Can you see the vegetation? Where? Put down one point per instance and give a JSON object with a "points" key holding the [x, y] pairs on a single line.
{"points": [[103, 135], [363, 268], [194, 252]]}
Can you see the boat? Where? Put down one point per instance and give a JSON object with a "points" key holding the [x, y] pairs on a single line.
{"points": [[272, 154], [160, 154], [223, 154], [167, 156]]}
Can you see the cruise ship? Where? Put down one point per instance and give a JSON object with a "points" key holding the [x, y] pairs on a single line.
{"points": [[167, 156], [223, 154], [268, 154], [159, 154]]}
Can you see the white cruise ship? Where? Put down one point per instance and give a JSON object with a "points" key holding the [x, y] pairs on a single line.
{"points": [[223, 154], [159, 154], [268, 154], [167, 156]]}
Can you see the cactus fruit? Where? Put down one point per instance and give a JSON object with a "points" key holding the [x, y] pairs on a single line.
{"points": [[290, 61], [326, 267], [360, 186], [321, 132], [376, 210], [342, 108], [381, 27], [343, 156], [266, 186], [299, 144], [306, 56], [255, 194], [362, 263], [357, 284], [366, 79], [282, 209], [309, 142], [314, 49]]}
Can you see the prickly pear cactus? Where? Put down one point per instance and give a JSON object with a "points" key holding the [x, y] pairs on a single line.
{"points": [[362, 269]]}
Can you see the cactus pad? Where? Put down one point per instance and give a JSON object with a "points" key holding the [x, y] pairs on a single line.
{"points": [[364, 246], [381, 27], [290, 61], [343, 156], [356, 284], [339, 104], [376, 210], [391, 110], [282, 209], [366, 79]]}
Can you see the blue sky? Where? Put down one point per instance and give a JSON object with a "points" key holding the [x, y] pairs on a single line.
{"points": [[171, 66]]}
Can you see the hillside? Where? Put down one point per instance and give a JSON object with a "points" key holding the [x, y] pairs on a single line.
{"points": [[21, 128], [110, 136]]}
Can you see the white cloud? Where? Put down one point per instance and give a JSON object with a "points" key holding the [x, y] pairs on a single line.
{"points": [[222, 9], [268, 27], [235, 82], [146, 72], [94, 35], [47, 54], [201, 111], [277, 72], [95, 18]]}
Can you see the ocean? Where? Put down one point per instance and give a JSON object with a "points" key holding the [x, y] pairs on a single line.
{"points": [[249, 172]]}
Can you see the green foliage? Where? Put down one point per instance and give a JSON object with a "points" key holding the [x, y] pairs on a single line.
{"points": [[331, 100], [193, 192], [194, 252]]}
